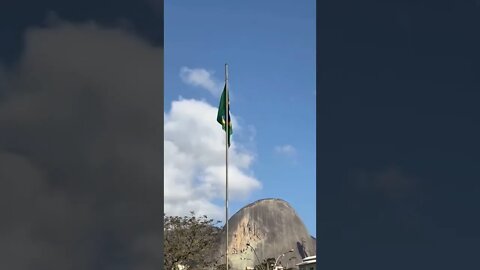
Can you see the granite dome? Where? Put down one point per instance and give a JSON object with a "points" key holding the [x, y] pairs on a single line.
{"points": [[272, 227]]}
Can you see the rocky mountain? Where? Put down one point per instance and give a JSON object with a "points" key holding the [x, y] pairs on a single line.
{"points": [[271, 227]]}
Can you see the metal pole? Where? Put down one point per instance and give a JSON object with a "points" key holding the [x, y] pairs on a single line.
{"points": [[255, 252], [275, 265], [227, 122], [276, 261]]}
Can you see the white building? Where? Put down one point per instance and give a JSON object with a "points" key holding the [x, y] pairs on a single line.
{"points": [[309, 263]]}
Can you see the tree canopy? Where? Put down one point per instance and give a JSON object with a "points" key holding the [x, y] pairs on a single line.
{"points": [[189, 241]]}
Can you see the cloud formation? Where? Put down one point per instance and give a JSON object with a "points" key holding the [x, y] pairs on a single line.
{"points": [[80, 151], [286, 150], [202, 78], [195, 161]]}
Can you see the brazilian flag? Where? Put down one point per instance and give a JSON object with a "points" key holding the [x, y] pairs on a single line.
{"points": [[221, 115]]}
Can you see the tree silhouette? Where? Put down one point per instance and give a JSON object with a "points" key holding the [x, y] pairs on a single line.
{"points": [[189, 241]]}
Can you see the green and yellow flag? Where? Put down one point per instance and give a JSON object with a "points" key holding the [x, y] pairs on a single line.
{"points": [[221, 115]]}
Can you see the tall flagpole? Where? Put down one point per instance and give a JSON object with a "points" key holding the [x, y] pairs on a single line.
{"points": [[227, 116]]}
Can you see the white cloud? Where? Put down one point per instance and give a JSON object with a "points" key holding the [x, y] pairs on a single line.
{"points": [[286, 150], [194, 161], [200, 77]]}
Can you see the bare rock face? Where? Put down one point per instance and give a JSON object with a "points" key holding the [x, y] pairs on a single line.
{"points": [[271, 227]]}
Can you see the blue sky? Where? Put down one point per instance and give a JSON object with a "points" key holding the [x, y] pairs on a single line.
{"points": [[270, 49]]}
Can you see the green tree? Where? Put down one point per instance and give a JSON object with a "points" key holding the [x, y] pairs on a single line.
{"points": [[189, 241]]}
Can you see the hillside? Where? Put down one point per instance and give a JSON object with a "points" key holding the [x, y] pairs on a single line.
{"points": [[272, 227]]}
